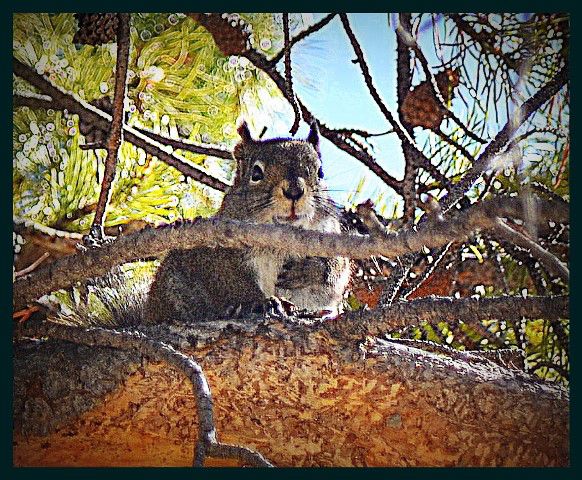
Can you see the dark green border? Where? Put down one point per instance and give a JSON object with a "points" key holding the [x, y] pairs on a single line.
{"points": [[7, 471]]}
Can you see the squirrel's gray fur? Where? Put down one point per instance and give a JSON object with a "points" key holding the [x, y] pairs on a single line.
{"points": [[277, 181]]}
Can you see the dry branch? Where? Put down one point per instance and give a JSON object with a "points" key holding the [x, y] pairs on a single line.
{"points": [[521, 114], [234, 234], [552, 264], [404, 82], [116, 127], [289, 76]]}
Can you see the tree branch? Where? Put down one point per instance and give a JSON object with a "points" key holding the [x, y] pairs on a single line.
{"points": [[404, 82], [207, 444], [433, 310], [401, 132], [552, 264], [64, 100], [289, 76], [116, 128], [150, 241], [522, 113]]}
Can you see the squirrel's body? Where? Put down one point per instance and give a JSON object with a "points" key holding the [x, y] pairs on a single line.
{"points": [[278, 181]]}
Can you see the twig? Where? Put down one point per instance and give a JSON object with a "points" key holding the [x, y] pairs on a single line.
{"points": [[114, 138], [227, 233], [64, 100], [522, 113], [206, 444], [305, 33], [481, 39], [288, 75], [552, 264], [454, 144], [403, 135], [404, 82], [32, 266], [440, 255]]}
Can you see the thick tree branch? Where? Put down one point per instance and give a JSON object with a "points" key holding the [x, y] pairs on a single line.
{"points": [[433, 310], [207, 445], [148, 242]]}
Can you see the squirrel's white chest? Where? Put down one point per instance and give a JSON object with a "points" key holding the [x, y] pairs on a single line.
{"points": [[267, 266]]}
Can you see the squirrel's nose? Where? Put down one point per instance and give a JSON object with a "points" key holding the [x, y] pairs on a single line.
{"points": [[294, 190]]}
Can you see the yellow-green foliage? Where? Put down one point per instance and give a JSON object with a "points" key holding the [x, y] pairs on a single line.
{"points": [[179, 85]]}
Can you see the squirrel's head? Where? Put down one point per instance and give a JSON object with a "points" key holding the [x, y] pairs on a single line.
{"points": [[277, 180]]}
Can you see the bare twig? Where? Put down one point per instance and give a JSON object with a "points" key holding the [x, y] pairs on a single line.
{"points": [[404, 82], [402, 134], [32, 266], [552, 264], [482, 39], [206, 444], [114, 138], [149, 242], [289, 77], [305, 33], [440, 255]]}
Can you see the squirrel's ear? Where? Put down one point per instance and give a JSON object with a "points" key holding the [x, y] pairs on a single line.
{"points": [[245, 133], [313, 136]]}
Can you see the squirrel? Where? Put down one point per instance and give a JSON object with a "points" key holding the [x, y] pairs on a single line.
{"points": [[277, 181]]}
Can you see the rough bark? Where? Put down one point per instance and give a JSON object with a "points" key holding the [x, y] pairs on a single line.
{"points": [[66, 271], [300, 398]]}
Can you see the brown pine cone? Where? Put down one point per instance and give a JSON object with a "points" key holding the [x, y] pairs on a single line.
{"points": [[96, 28], [420, 107]]}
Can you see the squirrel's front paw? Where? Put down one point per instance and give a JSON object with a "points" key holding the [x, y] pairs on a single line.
{"points": [[300, 273], [271, 306]]}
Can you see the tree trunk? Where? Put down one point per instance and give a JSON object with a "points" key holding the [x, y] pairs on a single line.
{"points": [[310, 400]]}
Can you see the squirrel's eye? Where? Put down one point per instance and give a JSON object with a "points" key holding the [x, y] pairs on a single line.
{"points": [[320, 172], [257, 173]]}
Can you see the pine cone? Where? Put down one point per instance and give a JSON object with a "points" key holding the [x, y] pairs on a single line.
{"points": [[420, 108], [231, 34], [96, 28]]}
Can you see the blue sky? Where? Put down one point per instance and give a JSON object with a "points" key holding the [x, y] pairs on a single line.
{"points": [[334, 90], [339, 97]]}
